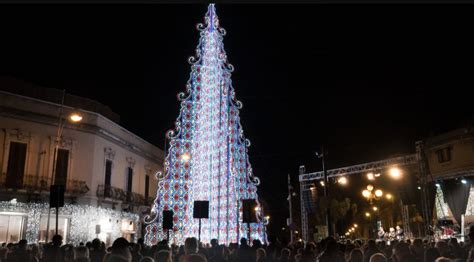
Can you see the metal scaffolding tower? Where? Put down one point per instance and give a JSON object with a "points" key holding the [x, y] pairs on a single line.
{"points": [[427, 209], [304, 213]]}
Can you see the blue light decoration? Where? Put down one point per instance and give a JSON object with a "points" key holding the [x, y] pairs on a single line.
{"points": [[207, 158]]}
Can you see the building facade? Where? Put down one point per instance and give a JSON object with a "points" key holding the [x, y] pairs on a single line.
{"points": [[451, 154], [450, 157], [107, 171]]}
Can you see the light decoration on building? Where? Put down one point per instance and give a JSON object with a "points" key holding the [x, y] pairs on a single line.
{"points": [[208, 153], [442, 209], [82, 220]]}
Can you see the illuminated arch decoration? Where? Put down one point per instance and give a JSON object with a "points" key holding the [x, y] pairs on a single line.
{"points": [[208, 154]]}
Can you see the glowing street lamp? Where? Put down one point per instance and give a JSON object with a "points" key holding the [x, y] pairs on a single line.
{"points": [[375, 208], [370, 194], [367, 214], [378, 193], [366, 193], [395, 173], [342, 180], [75, 117], [370, 176]]}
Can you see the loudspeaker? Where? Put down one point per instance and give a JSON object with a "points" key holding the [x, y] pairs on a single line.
{"points": [[97, 229], [56, 196], [248, 210], [201, 209], [168, 219]]}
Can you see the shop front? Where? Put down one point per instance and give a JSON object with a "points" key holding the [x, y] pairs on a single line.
{"points": [[12, 225], [76, 223]]}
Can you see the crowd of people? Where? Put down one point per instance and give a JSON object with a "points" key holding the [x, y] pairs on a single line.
{"points": [[327, 250]]}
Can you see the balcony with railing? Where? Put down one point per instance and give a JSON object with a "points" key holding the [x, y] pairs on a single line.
{"points": [[135, 198], [40, 184], [118, 194], [114, 193]]}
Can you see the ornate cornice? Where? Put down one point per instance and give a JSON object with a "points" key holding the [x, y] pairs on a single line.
{"points": [[109, 153], [83, 127], [131, 162]]}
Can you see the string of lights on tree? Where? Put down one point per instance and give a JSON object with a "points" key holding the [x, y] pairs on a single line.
{"points": [[208, 153], [82, 220]]}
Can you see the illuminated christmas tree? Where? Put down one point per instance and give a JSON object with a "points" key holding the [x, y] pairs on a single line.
{"points": [[207, 158]]}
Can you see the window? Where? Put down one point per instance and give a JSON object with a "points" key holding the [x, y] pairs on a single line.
{"points": [[63, 224], [16, 165], [108, 178], [129, 183], [147, 185], [11, 228], [129, 179], [444, 154], [108, 172], [62, 162]]}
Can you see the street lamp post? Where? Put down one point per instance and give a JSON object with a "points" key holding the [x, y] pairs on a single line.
{"points": [[377, 219], [326, 189], [369, 217], [290, 224], [370, 194], [74, 118]]}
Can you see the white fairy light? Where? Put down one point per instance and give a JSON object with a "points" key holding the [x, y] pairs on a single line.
{"points": [[82, 219]]}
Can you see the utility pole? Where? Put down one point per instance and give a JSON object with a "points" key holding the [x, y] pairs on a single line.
{"points": [[326, 190], [290, 224]]}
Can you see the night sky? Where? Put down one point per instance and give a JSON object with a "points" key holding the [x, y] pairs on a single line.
{"points": [[365, 81]]}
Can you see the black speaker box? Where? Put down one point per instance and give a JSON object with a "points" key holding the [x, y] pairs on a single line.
{"points": [[249, 213], [201, 209], [168, 219], [56, 196]]}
